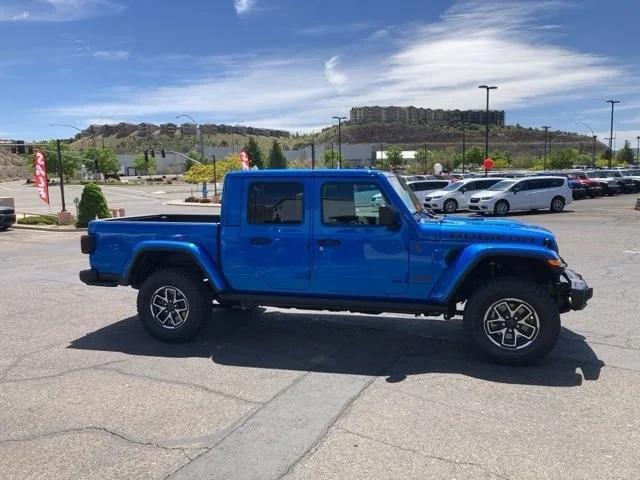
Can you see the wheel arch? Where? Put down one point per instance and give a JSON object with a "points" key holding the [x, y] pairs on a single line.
{"points": [[477, 263], [152, 256]]}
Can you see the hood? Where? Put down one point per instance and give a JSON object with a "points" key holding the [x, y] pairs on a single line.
{"points": [[436, 193], [482, 230], [487, 193]]}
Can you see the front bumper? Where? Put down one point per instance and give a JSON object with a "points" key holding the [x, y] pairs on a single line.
{"points": [[433, 204], [574, 291]]}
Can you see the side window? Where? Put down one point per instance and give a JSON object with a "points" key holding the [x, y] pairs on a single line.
{"points": [[537, 184], [472, 186], [557, 182], [352, 203], [522, 186], [275, 202], [440, 185], [416, 187]]}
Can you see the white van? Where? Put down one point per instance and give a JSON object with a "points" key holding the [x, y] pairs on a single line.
{"points": [[455, 196], [532, 193]]}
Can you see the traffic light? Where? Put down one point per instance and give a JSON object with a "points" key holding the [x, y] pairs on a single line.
{"points": [[163, 153], [153, 153]]}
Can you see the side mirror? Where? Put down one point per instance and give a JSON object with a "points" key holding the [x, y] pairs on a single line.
{"points": [[388, 216], [462, 190], [515, 189]]}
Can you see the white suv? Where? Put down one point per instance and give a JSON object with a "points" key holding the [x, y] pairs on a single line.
{"points": [[531, 193], [421, 188], [455, 196]]}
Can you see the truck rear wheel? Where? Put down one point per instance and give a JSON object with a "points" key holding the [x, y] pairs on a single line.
{"points": [[173, 304], [512, 321]]}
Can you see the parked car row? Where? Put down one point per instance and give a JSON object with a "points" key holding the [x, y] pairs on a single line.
{"points": [[516, 191]]}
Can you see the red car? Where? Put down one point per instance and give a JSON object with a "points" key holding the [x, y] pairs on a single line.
{"points": [[592, 186]]}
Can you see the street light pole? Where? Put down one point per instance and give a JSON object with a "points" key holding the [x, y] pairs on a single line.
{"points": [[612, 102], [594, 136], [95, 160], [340, 140], [638, 151], [546, 130], [61, 171], [486, 120]]}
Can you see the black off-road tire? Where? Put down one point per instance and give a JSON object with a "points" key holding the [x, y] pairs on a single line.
{"points": [[191, 287], [500, 212], [536, 296], [557, 204], [452, 208]]}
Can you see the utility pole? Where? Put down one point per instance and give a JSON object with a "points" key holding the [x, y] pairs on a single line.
{"points": [[199, 128], [61, 172], [544, 162], [612, 102], [464, 143], [595, 137], [638, 151], [340, 140], [215, 176], [486, 120], [333, 156], [313, 154]]}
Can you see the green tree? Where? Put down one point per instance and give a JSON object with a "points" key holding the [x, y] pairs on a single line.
{"points": [[501, 159], [625, 154], [424, 161], [255, 153], [203, 172], [394, 157], [277, 160], [72, 160], [147, 165], [106, 158], [562, 159], [92, 204], [331, 159], [474, 156]]}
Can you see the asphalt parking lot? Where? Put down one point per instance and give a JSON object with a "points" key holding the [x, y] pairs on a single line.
{"points": [[307, 395]]}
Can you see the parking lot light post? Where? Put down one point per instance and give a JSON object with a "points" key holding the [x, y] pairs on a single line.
{"points": [[486, 120], [61, 172], [612, 102], [595, 137], [544, 161], [215, 176], [340, 140], [638, 152], [464, 143], [199, 128]]}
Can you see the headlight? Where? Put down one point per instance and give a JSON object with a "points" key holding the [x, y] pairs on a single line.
{"points": [[485, 198], [436, 197]]}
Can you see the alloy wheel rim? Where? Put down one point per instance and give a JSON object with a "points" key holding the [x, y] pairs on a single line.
{"points": [[557, 204], [511, 324], [450, 207], [169, 307], [502, 208]]}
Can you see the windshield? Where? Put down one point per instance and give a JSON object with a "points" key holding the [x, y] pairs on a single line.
{"points": [[501, 186], [406, 195], [452, 186]]}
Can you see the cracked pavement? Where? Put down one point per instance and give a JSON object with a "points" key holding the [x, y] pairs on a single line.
{"points": [[279, 394]]}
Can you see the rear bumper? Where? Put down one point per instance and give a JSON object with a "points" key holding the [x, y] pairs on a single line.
{"points": [[7, 219], [93, 278], [576, 291]]}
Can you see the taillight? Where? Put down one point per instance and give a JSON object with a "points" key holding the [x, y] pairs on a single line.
{"points": [[87, 244]]}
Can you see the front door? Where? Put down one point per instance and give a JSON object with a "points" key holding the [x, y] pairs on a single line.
{"points": [[353, 254], [274, 238]]}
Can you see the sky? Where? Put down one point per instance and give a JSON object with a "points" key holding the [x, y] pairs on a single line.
{"points": [[293, 64]]}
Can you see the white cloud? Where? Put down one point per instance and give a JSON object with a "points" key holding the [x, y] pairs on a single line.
{"points": [[56, 10], [439, 64], [243, 7], [334, 77], [111, 54]]}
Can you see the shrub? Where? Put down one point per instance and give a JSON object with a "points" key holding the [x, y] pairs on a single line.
{"points": [[191, 199], [38, 220], [205, 200], [92, 205]]}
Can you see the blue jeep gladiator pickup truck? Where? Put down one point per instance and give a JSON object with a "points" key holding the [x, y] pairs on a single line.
{"points": [[336, 240]]}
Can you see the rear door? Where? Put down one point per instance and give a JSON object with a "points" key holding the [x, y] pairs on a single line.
{"points": [[537, 193], [353, 254], [275, 234]]}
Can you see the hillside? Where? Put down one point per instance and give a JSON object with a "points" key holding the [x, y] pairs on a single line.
{"points": [[515, 139], [135, 143], [12, 167]]}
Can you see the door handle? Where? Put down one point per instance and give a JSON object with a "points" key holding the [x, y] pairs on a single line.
{"points": [[328, 242], [260, 241]]}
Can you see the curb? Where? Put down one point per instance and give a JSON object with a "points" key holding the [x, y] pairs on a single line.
{"points": [[43, 228], [191, 204]]}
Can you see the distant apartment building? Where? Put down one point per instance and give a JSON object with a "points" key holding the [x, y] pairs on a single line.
{"points": [[427, 116]]}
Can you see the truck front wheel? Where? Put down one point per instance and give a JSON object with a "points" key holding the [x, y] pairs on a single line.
{"points": [[512, 320], [173, 304]]}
